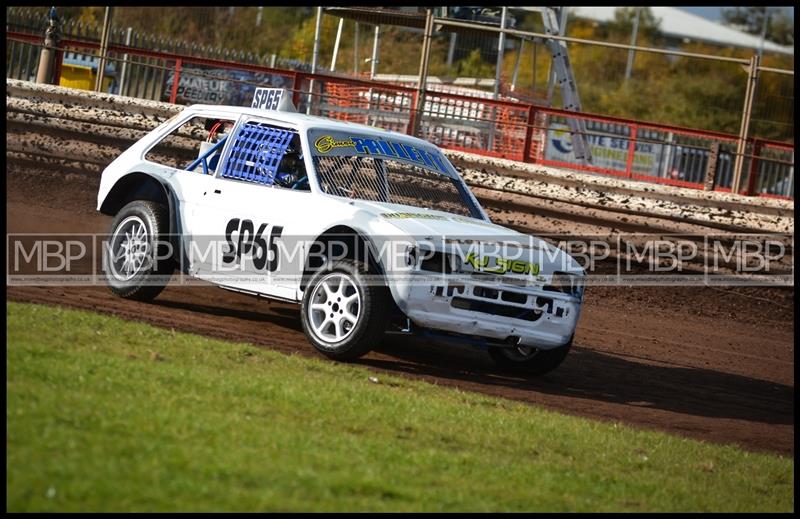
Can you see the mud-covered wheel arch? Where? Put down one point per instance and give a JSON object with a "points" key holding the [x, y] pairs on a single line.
{"points": [[357, 247], [145, 187], [340, 242]]}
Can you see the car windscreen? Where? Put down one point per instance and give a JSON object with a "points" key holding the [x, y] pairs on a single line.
{"points": [[387, 170]]}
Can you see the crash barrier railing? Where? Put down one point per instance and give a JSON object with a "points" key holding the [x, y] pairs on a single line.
{"points": [[529, 133]]}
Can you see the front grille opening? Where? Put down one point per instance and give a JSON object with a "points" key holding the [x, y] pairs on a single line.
{"points": [[496, 309], [542, 301], [457, 289], [488, 293], [438, 262], [514, 297]]}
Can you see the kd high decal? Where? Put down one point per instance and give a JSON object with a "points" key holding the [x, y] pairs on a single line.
{"points": [[502, 266]]}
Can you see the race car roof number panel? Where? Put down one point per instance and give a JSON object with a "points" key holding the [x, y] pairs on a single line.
{"points": [[256, 153]]}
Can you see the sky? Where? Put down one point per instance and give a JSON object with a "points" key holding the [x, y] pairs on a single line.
{"points": [[715, 13]]}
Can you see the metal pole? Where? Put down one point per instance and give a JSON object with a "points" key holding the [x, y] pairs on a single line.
{"points": [[101, 67], [629, 66], [47, 57], [763, 32], [336, 45], [516, 65], [741, 145], [501, 43], [123, 75], [355, 52], [533, 42], [315, 54], [451, 51], [314, 59], [373, 69], [422, 81], [551, 82]]}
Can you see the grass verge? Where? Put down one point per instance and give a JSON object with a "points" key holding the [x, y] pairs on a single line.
{"points": [[108, 415]]}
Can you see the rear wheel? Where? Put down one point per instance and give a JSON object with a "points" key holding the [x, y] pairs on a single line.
{"points": [[529, 360], [344, 316], [136, 261]]}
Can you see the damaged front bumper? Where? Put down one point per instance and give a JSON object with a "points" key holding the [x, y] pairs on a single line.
{"points": [[500, 313]]}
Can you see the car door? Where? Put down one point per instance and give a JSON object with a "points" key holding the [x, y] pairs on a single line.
{"points": [[250, 208]]}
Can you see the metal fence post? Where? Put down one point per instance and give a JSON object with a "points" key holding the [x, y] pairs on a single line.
{"points": [[526, 149], [173, 96], [101, 66], [123, 75], [419, 101], [631, 150], [412, 117], [52, 36], [741, 145], [752, 176], [711, 167]]}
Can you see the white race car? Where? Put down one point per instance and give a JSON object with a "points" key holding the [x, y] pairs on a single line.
{"points": [[371, 231]]}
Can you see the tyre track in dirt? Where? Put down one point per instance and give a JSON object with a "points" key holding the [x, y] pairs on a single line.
{"points": [[695, 362]]}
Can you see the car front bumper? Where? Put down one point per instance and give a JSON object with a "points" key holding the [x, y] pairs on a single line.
{"points": [[538, 318]]}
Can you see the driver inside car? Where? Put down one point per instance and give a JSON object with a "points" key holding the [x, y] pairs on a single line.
{"points": [[292, 170]]}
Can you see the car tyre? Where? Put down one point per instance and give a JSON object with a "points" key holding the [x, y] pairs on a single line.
{"points": [[131, 269], [343, 315], [530, 361]]}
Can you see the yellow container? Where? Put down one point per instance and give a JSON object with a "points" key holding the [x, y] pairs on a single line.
{"points": [[78, 76]]}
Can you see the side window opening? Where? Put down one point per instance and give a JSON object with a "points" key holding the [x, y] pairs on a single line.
{"points": [[196, 145], [267, 155]]}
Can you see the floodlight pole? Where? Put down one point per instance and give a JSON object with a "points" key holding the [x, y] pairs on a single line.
{"points": [[501, 44], [515, 76], [355, 51], [336, 44], [422, 81], [373, 68], [314, 59], [629, 66]]}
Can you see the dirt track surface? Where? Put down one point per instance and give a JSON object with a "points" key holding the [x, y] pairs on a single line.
{"points": [[716, 365]]}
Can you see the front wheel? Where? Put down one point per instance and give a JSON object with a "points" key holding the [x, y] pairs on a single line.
{"points": [[529, 360], [137, 261], [343, 315]]}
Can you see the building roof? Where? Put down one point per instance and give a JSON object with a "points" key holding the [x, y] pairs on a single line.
{"points": [[684, 25]]}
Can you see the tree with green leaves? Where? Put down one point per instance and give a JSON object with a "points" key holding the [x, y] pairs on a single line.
{"points": [[780, 27]]}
